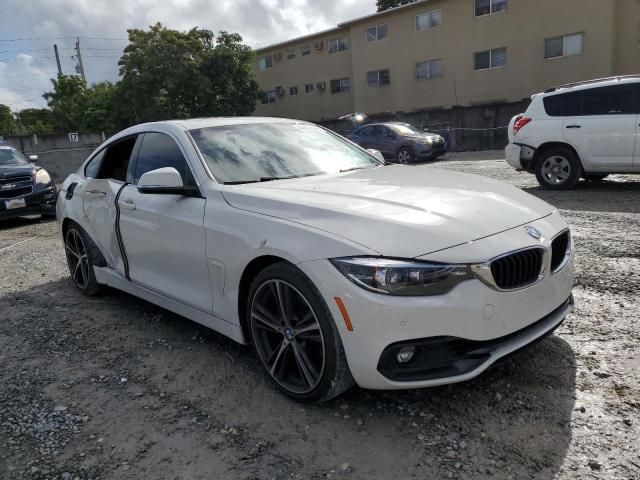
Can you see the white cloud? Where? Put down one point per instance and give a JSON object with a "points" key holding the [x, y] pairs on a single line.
{"points": [[260, 22]]}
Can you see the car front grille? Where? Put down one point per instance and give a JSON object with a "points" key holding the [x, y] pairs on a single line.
{"points": [[518, 269], [16, 186], [560, 249]]}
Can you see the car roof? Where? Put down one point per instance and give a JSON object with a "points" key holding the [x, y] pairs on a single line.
{"points": [[597, 82]]}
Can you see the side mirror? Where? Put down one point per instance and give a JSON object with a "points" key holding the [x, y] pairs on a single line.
{"points": [[166, 181], [376, 153], [33, 158]]}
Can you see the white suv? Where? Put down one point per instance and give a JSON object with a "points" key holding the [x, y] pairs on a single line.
{"points": [[581, 130]]}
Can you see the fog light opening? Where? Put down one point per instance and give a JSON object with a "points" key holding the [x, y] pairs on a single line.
{"points": [[405, 355]]}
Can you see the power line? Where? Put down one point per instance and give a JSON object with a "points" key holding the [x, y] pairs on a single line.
{"points": [[114, 39]]}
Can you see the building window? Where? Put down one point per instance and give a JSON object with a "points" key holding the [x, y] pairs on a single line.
{"points": [[563, 46], [428, 20], [487, 7], [269, 96], [291, 54], [494, 58], [378, 78], [340, 85], [373, 34], [305, 50], [428, 69], [293, 91], [338, 45], [265, 62], [308, 87]]}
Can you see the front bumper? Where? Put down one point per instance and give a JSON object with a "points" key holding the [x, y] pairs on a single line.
{"points": [[471, 311], [40, 202], [429, 151]]}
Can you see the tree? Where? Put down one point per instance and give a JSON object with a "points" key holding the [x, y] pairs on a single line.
{"points": [[8, 124], [171, 74], [99, 114], [36, 121], [68, 102], [387, 4]]}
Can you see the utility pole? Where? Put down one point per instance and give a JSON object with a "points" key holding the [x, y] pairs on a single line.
{"points": [[80, 59], [55, 49]]}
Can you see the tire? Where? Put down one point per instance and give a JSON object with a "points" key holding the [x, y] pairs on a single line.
{"points": [[79, 252], [301, 352], [558, 169], [405, 155], [595, 177]]}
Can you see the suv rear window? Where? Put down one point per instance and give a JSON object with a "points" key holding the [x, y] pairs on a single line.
{"points": [[564, 104]]}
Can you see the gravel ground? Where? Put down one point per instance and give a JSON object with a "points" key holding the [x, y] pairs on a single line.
{"points": [[116, 388]]}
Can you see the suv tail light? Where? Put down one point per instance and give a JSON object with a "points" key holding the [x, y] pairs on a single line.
{"points": [[521, 121]]}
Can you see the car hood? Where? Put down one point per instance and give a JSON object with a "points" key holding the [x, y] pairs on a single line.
{"points": [[7, 171], [399, 210]]}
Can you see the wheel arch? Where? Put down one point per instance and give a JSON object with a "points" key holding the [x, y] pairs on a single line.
{"points": [[545, 147], [251, 270], [97, 257]]}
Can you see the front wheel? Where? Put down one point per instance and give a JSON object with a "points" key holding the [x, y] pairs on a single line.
{"points": [[558, 169], [295, 337], [405, 155], [77, 248]]}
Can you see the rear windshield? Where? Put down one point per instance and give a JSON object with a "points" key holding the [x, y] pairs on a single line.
{"points": [[11, 156]]}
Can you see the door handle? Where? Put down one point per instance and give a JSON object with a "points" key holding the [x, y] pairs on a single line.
{"points": [[574, 126], [95, 193], [127, 204]]}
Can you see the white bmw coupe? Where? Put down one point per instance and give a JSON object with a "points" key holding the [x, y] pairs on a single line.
{"points": [[337, 268]]}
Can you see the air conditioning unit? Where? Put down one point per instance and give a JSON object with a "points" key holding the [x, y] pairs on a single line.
{"points": [[321, 85], [277, 56], [280, 91], [318, 45]]}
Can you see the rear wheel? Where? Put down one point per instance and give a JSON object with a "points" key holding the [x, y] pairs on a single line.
{"points": [[558, 169], [595, 177], [77, 248], [405, 155], [295, 337]]}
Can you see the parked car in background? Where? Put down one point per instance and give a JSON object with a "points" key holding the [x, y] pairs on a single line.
{"points": [[580, 130], [25, 188], [399, 141], [335, 266]]}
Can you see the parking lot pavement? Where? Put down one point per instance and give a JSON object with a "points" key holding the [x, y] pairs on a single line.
{"points": [[113, 387]]}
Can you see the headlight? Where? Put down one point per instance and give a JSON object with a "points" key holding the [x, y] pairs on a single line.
{"points": [[402, 277], [42, 177]]}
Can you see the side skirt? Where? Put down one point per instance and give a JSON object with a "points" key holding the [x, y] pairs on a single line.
{"points": [[110, 277]]}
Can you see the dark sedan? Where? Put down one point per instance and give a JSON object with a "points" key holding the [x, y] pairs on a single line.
{"points": [[25, 188], [400, 141]]}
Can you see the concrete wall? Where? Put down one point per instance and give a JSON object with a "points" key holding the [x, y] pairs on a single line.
{"points": [[56, 154], [610, 46]]}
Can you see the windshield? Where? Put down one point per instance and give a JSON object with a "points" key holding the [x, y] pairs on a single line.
{"points": [[404, 129], [270, 151], [10, 156]]}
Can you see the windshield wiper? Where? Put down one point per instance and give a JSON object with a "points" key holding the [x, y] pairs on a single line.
{"points": [[270, 179], [352, 169]]}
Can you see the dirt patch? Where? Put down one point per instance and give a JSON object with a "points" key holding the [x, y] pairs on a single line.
{"points": [[115, 387]]}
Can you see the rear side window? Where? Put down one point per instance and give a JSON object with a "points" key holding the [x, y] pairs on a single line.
{"points": [[158, 151], [93, 167], [616, 100], [563, 105]]}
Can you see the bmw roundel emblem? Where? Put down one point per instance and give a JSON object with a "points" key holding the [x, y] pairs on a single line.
{"points": [[533, 232]]}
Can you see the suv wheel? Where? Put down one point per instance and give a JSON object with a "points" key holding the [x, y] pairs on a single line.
{"points": [[405, 155], [558, 169], [295, 337]]}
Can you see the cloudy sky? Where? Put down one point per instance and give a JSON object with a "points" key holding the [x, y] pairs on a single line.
{"points": [[28, 30]]}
